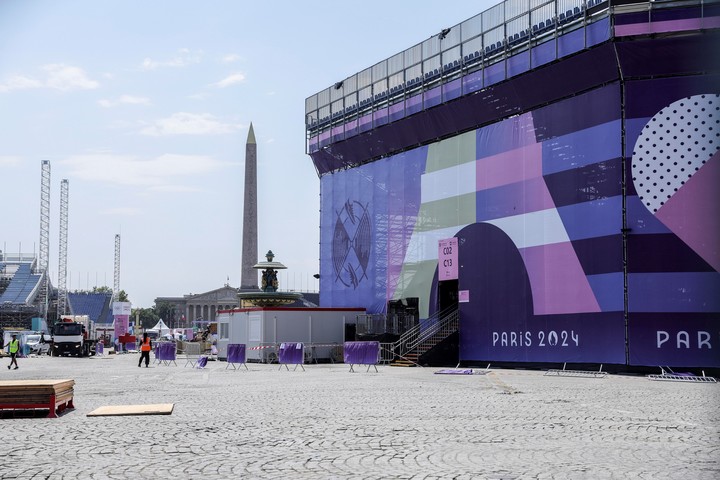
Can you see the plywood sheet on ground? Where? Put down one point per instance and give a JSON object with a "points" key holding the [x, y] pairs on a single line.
{"points": [[118, 410]]}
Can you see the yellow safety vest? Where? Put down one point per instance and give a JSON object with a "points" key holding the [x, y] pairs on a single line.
{"points": [[14, 346]]}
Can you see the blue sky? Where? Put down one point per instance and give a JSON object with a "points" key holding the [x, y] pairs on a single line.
{"points": [[144, 106]]}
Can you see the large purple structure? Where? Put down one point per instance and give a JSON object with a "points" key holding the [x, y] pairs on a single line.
{"points": [[573, 150]]}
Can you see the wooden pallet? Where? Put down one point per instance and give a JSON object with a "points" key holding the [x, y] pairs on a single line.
{"points": [[53, 395]]}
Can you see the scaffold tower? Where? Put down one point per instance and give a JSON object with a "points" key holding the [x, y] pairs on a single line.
{"points": [[44, 237], [116, 282], [62, 270]]}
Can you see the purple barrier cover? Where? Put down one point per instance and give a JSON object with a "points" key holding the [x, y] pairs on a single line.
{"points": [[202, 362], [236, 353], [291, 353], [362, 353], [130, 346], [99, 349], [165, 351]]}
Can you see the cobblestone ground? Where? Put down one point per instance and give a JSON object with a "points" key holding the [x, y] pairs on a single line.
{"points": [[329, 423]]}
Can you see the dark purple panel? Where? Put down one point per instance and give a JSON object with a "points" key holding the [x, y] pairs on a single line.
{"points": [[236, 353], [570, 115], [645, 98], [562, 79], [361, 353], [674, 339], [499, 323], [669, 56], [662, 253], [592, 182], [291, 353], [599, 255]]}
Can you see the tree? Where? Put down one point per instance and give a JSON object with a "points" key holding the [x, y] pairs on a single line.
{"points": [[166, 311], [122, 296], [148, 317]]}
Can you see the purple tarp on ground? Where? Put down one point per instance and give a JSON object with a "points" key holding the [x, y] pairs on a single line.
{"points": [[202, 362], [362, 353], [291, 353], [236, 353]]}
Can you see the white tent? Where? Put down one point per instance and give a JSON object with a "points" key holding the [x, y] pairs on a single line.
{"points": [[160, 328]]}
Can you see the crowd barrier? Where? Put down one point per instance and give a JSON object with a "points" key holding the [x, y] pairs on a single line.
{"points": [[291, 354], [99, 349], [236, 355], [165, 353], [362, 353]]}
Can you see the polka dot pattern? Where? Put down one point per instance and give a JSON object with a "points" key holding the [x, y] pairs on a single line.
{"points": [[673, 145]]}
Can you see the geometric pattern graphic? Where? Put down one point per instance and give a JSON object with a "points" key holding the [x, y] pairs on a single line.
{"points": [[351, 244], [676, 170], [673, 146]]}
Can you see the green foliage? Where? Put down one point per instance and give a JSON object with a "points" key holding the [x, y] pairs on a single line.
{"points": [[148, 317], [166, 311]]}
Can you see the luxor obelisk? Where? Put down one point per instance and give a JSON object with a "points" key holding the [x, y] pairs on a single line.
{"points": [[249, 275]]}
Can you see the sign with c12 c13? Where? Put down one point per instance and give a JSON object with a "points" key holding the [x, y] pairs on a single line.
{"points": [[448, 259]]}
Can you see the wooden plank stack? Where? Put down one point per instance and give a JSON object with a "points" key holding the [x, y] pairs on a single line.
{"points": [[53, 395]]}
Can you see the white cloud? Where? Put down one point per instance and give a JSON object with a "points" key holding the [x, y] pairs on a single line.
{"points": [[66, 77], [198, 96], [158, 174], [183, 123], [56, 76], [124, 100], [184, 58], [230, 58], [237, 77], [8, 161]]}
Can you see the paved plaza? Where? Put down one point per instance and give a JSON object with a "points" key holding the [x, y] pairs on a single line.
{"points": [[326, 422]]}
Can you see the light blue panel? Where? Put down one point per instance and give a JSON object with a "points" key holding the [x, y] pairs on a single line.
{"points": [[584, 147], [608, 290], [641, 220], [599, 218]]}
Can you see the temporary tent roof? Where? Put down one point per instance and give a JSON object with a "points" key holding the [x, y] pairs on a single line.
{"points": [[160, 327]]}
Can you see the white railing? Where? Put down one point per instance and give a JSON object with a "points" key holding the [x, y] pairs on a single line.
{"points": [[423, 336]]}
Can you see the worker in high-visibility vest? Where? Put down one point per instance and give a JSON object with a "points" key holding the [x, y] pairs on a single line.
{"points": [[14, 345], [145, 348]]}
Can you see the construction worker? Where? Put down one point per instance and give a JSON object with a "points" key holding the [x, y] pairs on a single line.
{"points": [[145, 348], [14, 345]]}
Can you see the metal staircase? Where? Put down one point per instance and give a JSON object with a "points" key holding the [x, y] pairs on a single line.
{"points": [[412, 344]]}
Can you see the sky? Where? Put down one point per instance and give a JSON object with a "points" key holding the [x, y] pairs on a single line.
{"points": [[144, 107]]}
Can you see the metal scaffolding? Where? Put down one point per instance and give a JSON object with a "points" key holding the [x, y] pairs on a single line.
{"points": [[116, 282], [45, 237], [62, 270]]}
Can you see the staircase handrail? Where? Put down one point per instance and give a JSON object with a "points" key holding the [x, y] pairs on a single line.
{"points": [[425, 330]]}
